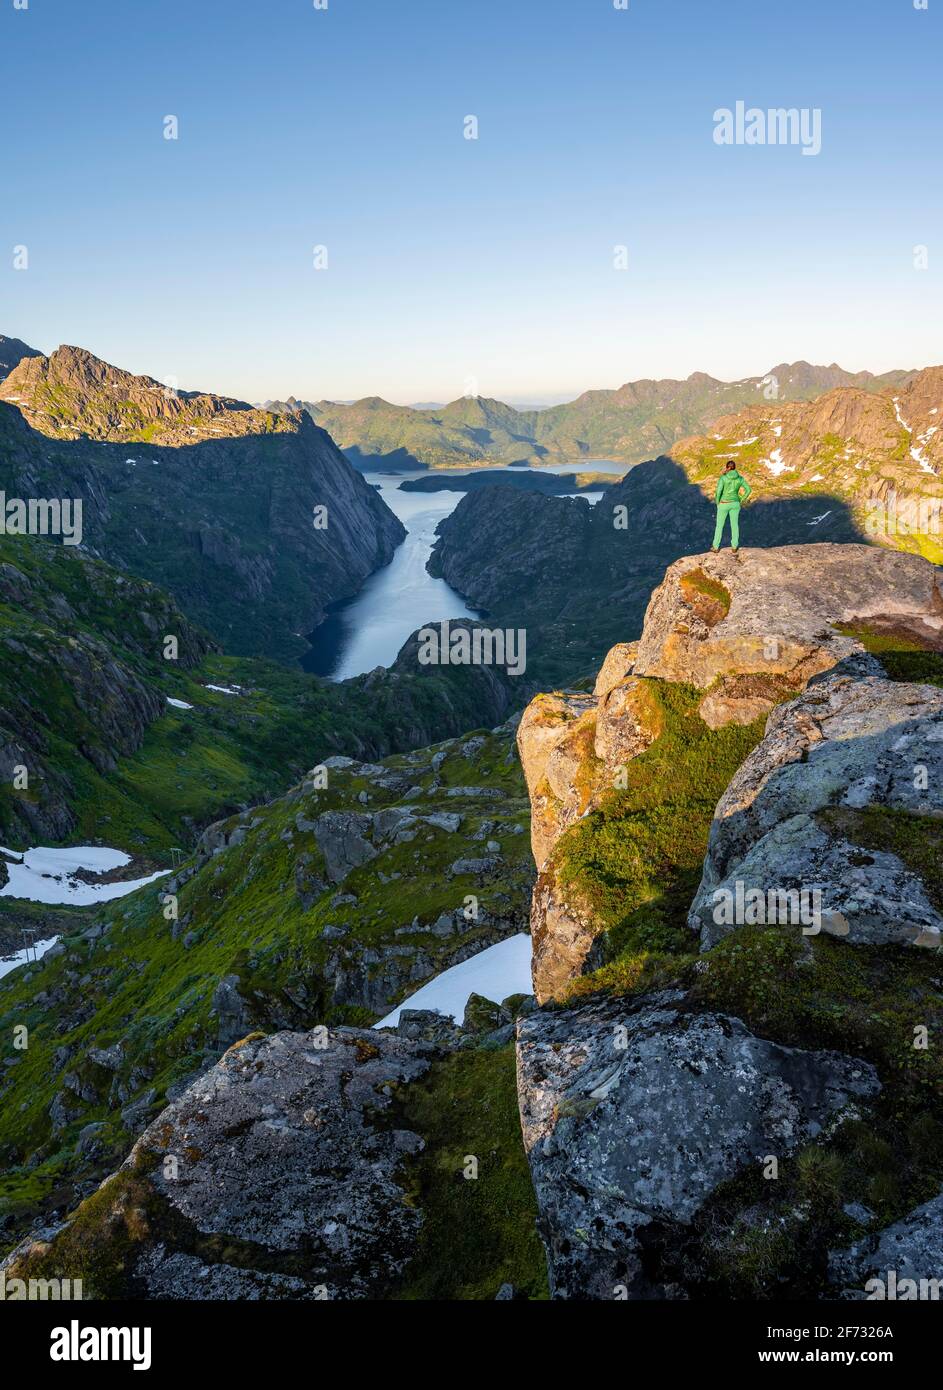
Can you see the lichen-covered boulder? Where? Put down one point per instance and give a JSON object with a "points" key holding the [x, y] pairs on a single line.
{"points": [[617, 665], [798, 817], [634, 1112], [272, 1176]]}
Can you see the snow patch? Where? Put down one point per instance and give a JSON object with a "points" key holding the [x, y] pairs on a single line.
{"points": [[225, 689], [495, 973], [49, 876], [776, 463], [178, 704], [32, 952]]}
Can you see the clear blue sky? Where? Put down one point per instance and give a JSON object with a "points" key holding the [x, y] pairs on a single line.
{"points": [[456, 262]]}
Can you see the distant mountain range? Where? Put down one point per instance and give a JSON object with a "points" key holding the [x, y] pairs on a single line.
{"points": [[640, 420], [209, 497]]}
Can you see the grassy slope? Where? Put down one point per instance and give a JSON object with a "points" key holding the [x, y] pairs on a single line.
{"points": [[637, 860], [245, 916], [194, 765]]}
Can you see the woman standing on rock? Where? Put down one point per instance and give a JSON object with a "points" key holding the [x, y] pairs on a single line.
{"points": [[732, 489]]}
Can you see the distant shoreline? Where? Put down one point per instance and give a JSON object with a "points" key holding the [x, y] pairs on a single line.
{"points": [[527, 480]]}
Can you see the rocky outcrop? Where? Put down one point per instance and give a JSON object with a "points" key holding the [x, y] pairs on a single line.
{"points": [[634, 1113], [770, 618], [573, 748], [748, 633], [902, 1262], [581, 577], [794, 819], [645, 1109], [273, 1176]]}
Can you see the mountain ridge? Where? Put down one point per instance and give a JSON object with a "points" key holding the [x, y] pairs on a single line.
{"points": [[630, 422], [255, 521]]}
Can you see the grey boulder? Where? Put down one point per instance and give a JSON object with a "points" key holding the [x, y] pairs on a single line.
{"points": [[633, 1114]]}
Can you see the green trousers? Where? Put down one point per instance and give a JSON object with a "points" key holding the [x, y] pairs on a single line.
{"points": [[725, 509]]}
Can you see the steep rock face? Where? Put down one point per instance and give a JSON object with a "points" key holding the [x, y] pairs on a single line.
{"points": [[255, 521], [747, 632], [772, 616], [573, 749], [517, 557], [795, 817], [271, 1176], [773, 1043], [634, 1113]]}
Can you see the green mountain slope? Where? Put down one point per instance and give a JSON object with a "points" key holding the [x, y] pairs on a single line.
{"points": [[84, 691]]}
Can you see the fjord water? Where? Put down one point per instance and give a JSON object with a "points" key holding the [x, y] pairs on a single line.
{"points": [[368, 630]]}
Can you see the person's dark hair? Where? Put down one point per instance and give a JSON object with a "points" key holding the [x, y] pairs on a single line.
{"points": [[731, 463]]}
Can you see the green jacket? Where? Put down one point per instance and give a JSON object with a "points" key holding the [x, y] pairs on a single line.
{"points": [[729, 487]]}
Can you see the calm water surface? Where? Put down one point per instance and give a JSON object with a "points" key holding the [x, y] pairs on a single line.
{"points": [[368, 630]]}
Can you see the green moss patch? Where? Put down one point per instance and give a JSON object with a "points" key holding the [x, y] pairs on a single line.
{"points": [[478, 1232], [905, 654], [637, 860], [708, 597]]}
